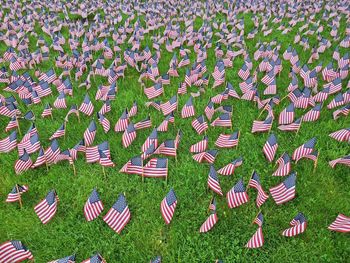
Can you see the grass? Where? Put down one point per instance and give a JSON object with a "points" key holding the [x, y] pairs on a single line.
{"points": [[321, 195]]}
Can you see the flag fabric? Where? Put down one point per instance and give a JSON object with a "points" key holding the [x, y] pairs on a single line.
{"points": [[224, 120], [52, 152], [47, 208], [255, 183], [97, 258], [168, 206], [237, 195], [86, 106], [229, 169], [213, 181], [59, 133], [157, 259], [129, 135], [93, 206], [212, 219], [284, 165], [90, 133], [200, 146], [287, 115], [167, 148], [228, 140], [313, 114], [169, 106], [341, 135], [188, 109], [151, 139], [23, 163], [9, 143], [16, 192], [156, 167], [340, 224], [144, 124], [343, 160], [106, 125], [199, 124], [257, 240], [122, 123], [304, 149], [270, 147], [208, 156], [119, 215], [262, 126], [298, 226], [68, 259], [285, 191], [14, 251], [259, 219], [133, 166]]}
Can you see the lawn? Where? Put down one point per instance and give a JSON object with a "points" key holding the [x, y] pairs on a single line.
{"points": [[322, 193]]}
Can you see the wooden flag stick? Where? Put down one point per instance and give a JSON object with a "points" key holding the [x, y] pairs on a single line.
{"points": [[316, 162], [249, 180], [20, 197], [211, 200], [74, 170], [104, 172]]}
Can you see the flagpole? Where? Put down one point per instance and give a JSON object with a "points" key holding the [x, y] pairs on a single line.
{"points": [[74, 170], [251, 176], [20, 197], [316, 162]]}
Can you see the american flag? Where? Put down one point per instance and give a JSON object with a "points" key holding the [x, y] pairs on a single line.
{"points": [[284, 165], [259, 219], [47, 112], [168, 147], [151, 139], [68, 259], [129, 135], [14, 251], [287, 115], [255, 183], [285, 191], [92, 153], [52, 152], [9, 143], [237, 195], [169, 106], [208, 156], [340, 224], [228, 140], [343, 160], [59, 133], [341, 135], [298, 226], [13, 123], [313, 114], [23, 163], [230, 168], [200, 146], [144, 124], [212, 219], [224, 120], [86, 106], [156, 167], [209, 110], [104, 160], [168, 205], [41, 159], [244, 72], [257, 240], [133, 166], [60, 102], [49, 76], [106, 125], [154, 91], [149, 152], [270, 147], [199, 124], [213, 181], [188, 109], [15, 194], [294, 126], [304, 149], [133, 110], [30, 142], [93, 206], [47, 208], [97, 258], [123, 122], [119, 215], [262, 126], [90, 133]]}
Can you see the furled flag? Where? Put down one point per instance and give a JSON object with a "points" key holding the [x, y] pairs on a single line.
{"points": [[90, 133], [14, 251], [151, 139], [169, 106], [23, 163], [340, 224], [168, 205], [68, 259], [9, 143], [341, 135], [97, 258], [208, 156], [129, 135], [133, 166], [237, 195], [304, 149], [298, 226], [93, 206], [270, 147], [343, 160], [200, 146], [284, 165], [285, 191], [156, 167], [212, 219], [199, 124], [59, 133], [230, 168], [47, 208], [15, 194], [188, 109], [287, 115], [262, 126], [255, 183], [224, 120], [122, 123], [86, 106], [213, 181], [41, 159], [52, 152], [119, 215]]}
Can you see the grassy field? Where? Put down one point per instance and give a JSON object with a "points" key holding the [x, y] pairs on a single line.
{"points": [[321, 194]]}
